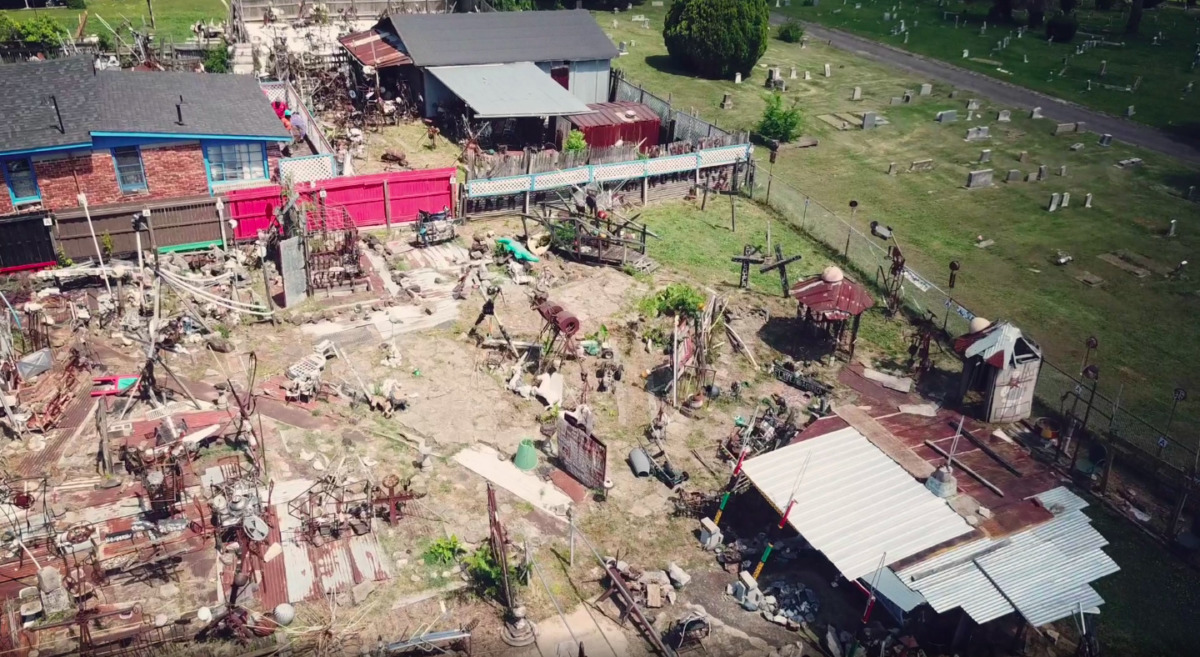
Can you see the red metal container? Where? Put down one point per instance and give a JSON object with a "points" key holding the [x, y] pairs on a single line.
{"points": [[625, 122]]}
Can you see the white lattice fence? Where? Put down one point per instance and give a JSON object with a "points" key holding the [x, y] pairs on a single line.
{"points": [[564, 178], [715, 157], [498, 186], [307, 169], [619, 171]]}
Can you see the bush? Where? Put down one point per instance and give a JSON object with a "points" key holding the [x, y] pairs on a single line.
{"points": [[443, 551], [717, 38], [791, 31], [9, 30], [217, 59], [575, 142], [675, 299], [42, 29], [76, 4], [1062, 28], [779, 123]]}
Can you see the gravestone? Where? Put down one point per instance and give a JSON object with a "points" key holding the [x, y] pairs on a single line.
{"points": [[985, 155], [1004, 116], [1103, 67], [1129, 112], [869, 120], [622, 48], [1031, 177], [1106, 140], [926, 89], [908, 96], [947, 116], [1023, 157], [978, 133], [972, 104], [1087, 201], [1041, 172], [1080, 126], [1076, 146], [1014, 175], [966, 53], [1063, 128], [727, 102], [856, 94], [828, 71], [954, 93], [892, 169], [978, 179], [1055, 200], [1066, 199], [1062, 171], [896, 100], [920, 166], [807, 75], [737, 78], [792, 74], [1036, 113]]}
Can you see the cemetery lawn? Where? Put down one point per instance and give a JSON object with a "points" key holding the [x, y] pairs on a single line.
{"points": [[1148, 338], [173, 18], [1165, 69]]}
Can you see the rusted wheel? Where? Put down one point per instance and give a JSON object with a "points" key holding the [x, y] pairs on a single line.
{"points": [[567, 323]]}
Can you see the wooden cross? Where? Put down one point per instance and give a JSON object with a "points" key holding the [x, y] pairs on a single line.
{"points": [[746, 259], [781, 264]]}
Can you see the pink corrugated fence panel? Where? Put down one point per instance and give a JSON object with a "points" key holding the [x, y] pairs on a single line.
{"points": [[361, 196]]}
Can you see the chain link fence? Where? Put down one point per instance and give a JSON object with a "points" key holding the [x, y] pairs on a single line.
{"points": [[1059, 394]]}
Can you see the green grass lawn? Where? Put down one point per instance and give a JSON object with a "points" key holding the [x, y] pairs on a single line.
{"points": [[173, 19], [1148, 341], [1165, 69]]}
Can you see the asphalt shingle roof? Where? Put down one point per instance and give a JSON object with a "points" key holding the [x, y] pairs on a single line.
{"points": [[125, 101], [502, 37]]}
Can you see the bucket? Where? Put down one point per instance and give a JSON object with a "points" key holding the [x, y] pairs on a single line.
{"points": [[526, 458]]}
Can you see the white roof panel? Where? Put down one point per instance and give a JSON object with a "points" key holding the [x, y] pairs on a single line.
{"points": [[508, 90], [854, 503]]}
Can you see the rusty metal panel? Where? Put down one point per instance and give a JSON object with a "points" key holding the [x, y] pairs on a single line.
{"points": [[176, 221], [583, 455]]}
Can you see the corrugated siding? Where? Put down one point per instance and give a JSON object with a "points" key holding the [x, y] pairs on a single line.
{"points": [[853, 503], [361, 196]]}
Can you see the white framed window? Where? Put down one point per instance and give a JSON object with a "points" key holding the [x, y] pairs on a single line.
{"points": [[236, 161]]}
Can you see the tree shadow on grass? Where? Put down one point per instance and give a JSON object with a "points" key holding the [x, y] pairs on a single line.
{"points": [[664, 64], [788, 336]]}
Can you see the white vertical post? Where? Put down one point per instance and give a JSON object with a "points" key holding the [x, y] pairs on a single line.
{"points": [[221, 222], [82, 198]]}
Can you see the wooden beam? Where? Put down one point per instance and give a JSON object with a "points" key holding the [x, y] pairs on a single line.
{"points": [[961, 466]]}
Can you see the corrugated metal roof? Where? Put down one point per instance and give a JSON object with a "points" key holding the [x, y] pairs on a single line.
{"points": [[508, 90], [854, 504], [837, 299], [618, 113], [1043, 572], [996, 344], [375, 47], [502, 37]]}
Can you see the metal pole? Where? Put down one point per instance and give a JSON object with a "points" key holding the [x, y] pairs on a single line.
{"points": [[571, 527], [96, 243], [221, 222], [804, 216]]}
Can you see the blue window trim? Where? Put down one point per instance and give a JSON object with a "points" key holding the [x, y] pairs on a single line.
{"points": [[12, 195], [205, 144], [130, 189]]}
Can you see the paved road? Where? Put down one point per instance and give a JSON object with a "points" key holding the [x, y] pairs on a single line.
{"points": [[1003, 92]]}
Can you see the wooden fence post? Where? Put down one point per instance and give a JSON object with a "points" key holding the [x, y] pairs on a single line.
{"points": [[528, 170], [387, 207]]}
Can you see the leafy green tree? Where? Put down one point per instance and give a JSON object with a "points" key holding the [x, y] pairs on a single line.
{"points": [[41, 29], [575, 142], [9, 30], [778, 122], [217, 59], [717, 38], [791, 31]]}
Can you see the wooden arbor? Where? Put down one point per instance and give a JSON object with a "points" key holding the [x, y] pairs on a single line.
{"points": [[827, 302]]}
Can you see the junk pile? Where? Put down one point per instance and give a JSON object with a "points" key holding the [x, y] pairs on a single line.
{"points": [[782, 603], [773, 425], [652, 589]]}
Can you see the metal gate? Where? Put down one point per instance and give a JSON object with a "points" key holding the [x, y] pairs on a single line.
{"points": [[25, 242]]}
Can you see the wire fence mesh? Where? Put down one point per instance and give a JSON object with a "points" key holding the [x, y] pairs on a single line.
{"points": [[1058, 392]]}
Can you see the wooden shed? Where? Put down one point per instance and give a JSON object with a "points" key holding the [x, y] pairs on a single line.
{"points": [[1003, 364], [623, 122]]}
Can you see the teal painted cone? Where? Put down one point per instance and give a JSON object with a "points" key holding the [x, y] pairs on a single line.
{"points": [[526, 458]]}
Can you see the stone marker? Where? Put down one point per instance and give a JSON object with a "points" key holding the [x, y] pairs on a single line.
{"points": [[1031, 177], [896, 100], [1041, 173], [1077, 146], [1004, 116], [869, 120], [947, 116], [926, 89], [807, 75], [972, 104], [954, 93], [1080, 126], [1014, 175], [828, 71], [985, 155], [1023, 157], [792, 73], [856, 94], [966, 53], [727, 102], [1062, 170], [1055, 200], [1087, 201], [978, 133], [1129, 112], [892, 169], [981, 178], [920, 165], [908, 95], [1066, 199], [737, 78], [1106, 139], [1063, 128], [1036, 113]]}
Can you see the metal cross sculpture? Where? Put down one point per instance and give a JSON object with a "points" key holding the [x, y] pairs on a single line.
{"points": [[781, 264], [748, 258]]}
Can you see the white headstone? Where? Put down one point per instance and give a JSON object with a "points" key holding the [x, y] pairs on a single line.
{"points": [[1087, 201], [792, 75], [966, 53], [1055, 200], [807, 75], [828, 70], [1036, 113], [737, 78], [856, 94], [1066, 199], [926, 89]]}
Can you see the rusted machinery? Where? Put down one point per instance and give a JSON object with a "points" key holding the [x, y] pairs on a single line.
{"points": [[557, 323]]}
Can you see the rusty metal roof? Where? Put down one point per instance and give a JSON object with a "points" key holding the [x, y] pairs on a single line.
{"points": [[375, 47], [830, 300], [618, 113]]}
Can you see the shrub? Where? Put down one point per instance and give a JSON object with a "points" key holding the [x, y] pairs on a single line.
{"points": [[42, 29], [779, 123], [76, 4], [1062, 28], [217, 59], [443, 551], [483, 568], [791, 31], [675, 299], [9, 30], [575, 142], [717, 38]]}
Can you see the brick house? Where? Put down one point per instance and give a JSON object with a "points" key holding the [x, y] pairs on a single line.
{"points": [[123, 137]]}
